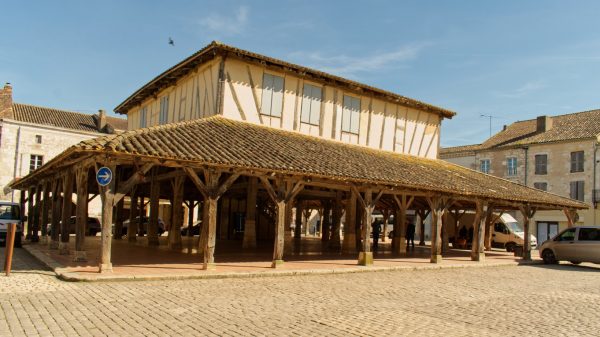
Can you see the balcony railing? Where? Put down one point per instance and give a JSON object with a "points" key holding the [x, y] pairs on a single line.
{"points": [[596, 196]]}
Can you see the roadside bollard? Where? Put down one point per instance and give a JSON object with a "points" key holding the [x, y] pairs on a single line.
{"points": [[11, 230]]}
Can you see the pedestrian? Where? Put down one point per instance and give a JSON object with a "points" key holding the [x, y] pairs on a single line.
{"points": [[462, 233], [410, 235], [376, 232]]}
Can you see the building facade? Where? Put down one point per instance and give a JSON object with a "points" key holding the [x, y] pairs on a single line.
{"points": [[245, 86], [32, 135], [558, 154]]}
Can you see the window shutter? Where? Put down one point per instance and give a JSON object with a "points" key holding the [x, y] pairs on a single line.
{"points": [[267, 94], [277, 103]]}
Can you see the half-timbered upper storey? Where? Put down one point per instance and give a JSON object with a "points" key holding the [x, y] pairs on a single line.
{"points": [[241, 85]]}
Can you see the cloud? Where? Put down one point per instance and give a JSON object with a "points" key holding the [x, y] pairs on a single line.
{"points": [[228, 25], [350, 65], [523, 90]]}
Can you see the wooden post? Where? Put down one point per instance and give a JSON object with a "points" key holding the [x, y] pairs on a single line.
{"points": [[349, 242], [287, 234], [153, 219], [133, 215], [37, 211], [298, 228], [107, 194], [30, 212], [119, 211], [306, 212], [528, 212], [211, 190], [82, 213], [572, 216], [225, 204], [386, 219], [249, 240], [456, 216], [142, 214], [489, 228], [326, 221], [283, 195], [445, 237], [423, 214], [11, 230], [191, 207], [403, 203], [55, 220], [368, 203], [177, 219], [438, 206], [336, 215], [46, 203], [482, 212], [63, 245]]}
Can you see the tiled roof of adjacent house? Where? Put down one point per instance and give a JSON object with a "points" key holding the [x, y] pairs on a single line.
{"points": [[462, 150], [223, 143], [575, 126], [215, 48], [61, 118]]}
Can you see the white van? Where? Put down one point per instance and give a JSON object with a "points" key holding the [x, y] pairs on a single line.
{"points": [[507, 233], [10, 213]]}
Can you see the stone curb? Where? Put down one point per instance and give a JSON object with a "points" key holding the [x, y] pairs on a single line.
{"points": [[65, 275]]}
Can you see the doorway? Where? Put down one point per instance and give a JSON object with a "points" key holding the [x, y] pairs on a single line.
{"points": [[546, 230]]}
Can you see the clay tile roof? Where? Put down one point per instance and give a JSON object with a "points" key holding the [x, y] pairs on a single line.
{"points": [[220, 142], [179, 70], [61, 118], [580, 125], [463, 150]]}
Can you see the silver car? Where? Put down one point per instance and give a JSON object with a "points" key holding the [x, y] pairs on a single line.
{"points": [[575, 244]]}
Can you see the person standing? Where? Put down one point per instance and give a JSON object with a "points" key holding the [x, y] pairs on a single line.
{"points": [[376, 232], [410, 235]]}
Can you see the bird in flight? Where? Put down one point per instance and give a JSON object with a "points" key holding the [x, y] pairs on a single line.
{"points": [[171, 42]]}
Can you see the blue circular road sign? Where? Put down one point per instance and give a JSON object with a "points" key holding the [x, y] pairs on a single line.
{"points": [[104, 176]]}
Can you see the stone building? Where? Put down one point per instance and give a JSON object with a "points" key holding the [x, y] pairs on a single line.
{"points": [[558, 154], [32, 135]]}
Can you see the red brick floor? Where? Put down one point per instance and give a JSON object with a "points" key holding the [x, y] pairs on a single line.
{"points": [[139, 259]]}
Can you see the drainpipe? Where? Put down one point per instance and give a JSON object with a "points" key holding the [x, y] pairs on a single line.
{"points": [[12, 197], [526, 148]]}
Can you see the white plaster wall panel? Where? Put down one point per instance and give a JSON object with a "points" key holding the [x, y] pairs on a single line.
{"points": [[389, 127], [290, 100], [327, 115], [377, 118], [237, 73], [411, 126], [365, 103]]}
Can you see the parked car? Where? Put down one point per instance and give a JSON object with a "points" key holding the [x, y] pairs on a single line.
{"points": [[10, 213], [92, 226], [575, 244], [144, 228], [196, 226]]}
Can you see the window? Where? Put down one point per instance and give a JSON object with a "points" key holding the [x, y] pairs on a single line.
{"points": [[351, 114], [164, 110], [484, 166], [272, 95], [143, 115], [541, 164], [568, 235], [311, 105], [35, 161], [577, 161], [589, 234], [511, 166], [577, 190], [541, 186], [38, 139]]}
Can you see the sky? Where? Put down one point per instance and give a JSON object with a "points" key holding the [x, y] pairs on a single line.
{"points": [[512, 60]]}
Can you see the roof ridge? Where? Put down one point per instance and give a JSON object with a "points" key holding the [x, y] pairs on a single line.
{"points": [[63, 110]]}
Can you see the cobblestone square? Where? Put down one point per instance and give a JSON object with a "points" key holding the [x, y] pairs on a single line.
{"points": [[559, 300]]}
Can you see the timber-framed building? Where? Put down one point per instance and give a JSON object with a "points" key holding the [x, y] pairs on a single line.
{"points": [[257, 140]]}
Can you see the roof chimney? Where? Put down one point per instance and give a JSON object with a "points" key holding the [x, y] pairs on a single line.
{"points": [[544, 123], [6, 101], [504, 127], [101, 121]]}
